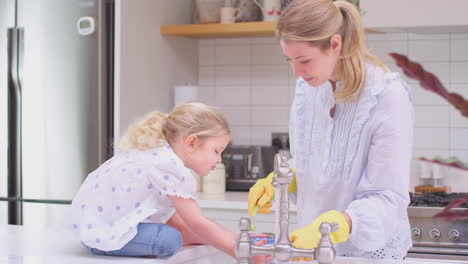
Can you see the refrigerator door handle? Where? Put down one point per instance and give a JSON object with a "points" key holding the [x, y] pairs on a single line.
{"points": [[13, 57], [20, 32], [14, 129]]}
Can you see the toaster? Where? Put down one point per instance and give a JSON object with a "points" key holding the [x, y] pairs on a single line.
{"points": [[246, 164]]}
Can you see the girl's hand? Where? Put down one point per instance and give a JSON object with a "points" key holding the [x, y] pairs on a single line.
{"points": [[260, 259]]}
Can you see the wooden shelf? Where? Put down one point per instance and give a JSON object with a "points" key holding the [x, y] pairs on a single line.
{"points": [[215, 30], [244, 29]]}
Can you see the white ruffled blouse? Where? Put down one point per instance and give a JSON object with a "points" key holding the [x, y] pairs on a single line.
{"points": [[358, 161], [128, 189]]}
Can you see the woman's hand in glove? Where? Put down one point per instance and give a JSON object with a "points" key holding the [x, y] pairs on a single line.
{"points": [[308, 237], [263, 192]]}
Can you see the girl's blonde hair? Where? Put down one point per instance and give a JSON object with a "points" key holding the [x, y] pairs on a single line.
{"points": [[316, 21], [155, 128]]}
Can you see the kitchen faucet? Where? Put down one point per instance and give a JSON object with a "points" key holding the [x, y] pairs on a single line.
{"points": [[282, 250]]}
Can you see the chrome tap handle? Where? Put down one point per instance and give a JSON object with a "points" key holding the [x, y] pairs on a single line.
{"points": [[283, 173], [283, 176], [262, 250], [282, 250], [325, 252], [302, 253], [244, 243]]}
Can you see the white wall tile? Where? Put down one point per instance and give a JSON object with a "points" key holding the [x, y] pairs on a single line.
{"points": [[430, 153], [413, 36], [237, 116], [436, 50], [431, 138], [461, 88], [261, 135], [386, 36], [206, 42], [206, 55], [240, 135], [292, 85], [232, 75], [270, 95], [459, 50], [432, 116], [457, 180], [264, 40], [254, 85], [424, 97], [292, 93], [459, 72], [232, 41], [269, 74], [440, 69], [393, 67], [291, 76], [459, 36], [457, 119], [462, 155], [270, 116], [267, 54], [232, 55], [206, 94], [382, 48], [206, 75], [233, 95], [459, 138]]}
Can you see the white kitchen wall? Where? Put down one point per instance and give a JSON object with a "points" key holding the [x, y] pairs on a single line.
{"points": [[149, 65], [250, 80], [440, 129]]}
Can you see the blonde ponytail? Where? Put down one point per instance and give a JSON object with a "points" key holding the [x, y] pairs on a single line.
{"points": [[156, 128], [316, 21], [146, 132]]}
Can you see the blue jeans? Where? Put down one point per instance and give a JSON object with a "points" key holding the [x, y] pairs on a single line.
{"points": [[156, 240]]}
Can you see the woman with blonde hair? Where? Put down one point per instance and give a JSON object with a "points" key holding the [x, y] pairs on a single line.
{"points": [[141, 202], [351, 131]]}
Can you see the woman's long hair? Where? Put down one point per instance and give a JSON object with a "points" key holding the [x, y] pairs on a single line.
{"points": [[316, 21]]}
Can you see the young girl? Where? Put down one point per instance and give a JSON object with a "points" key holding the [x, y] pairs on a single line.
{"points": [[142, 202]]}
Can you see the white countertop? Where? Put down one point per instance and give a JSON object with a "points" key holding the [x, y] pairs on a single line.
{"points": [[24, 245], [228, 200]]}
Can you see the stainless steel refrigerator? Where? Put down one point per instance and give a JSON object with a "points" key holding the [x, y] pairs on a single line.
{"points": [[56, 90]]}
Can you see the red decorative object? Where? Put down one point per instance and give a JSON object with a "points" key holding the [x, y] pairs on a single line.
{"points": [[429, 82], [454, 215], [415, 71]]}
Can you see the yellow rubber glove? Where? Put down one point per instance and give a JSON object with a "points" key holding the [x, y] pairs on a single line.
{"points": [[308, 237], [263, 191], [264, 210]]}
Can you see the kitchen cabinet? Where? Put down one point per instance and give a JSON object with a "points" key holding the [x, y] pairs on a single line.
{"points": [[417, 16]]}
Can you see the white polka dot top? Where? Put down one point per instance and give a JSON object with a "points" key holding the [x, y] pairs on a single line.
{"points": [[128, 189]]}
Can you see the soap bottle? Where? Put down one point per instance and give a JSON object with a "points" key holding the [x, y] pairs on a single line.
{"points": [[215, 181]]}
